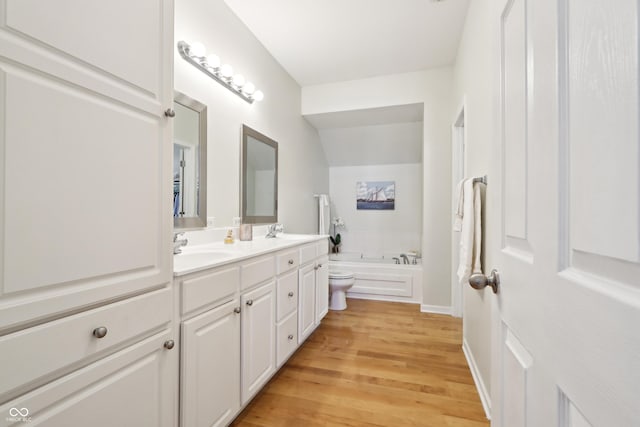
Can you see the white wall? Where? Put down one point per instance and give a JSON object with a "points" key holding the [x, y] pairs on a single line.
{"points": [[474, 78], [372, 232], [303, 169], [433, 88]]}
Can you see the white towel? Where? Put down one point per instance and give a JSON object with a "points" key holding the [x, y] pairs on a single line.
{"points": [[323, 214], [471, 232]]}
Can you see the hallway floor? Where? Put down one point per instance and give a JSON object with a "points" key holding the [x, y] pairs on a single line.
{"points": [[376, 364]]}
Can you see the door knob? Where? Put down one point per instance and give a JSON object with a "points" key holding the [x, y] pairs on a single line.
{"points": [[479, 280]]}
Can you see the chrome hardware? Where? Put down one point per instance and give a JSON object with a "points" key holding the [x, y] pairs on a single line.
{"points": [[396, 259], [169, 344], [178, 243], [250, 302], [405, 259], [100, 332], [319, 265], [273, 230], [290, 294], [237, 310], [479, 281], [315, 267], [290, 337], [169, 112], [290, 262]]}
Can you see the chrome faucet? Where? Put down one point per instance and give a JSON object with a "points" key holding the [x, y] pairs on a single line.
{"points": [[405, 259], [273, 231], [178, 243]]}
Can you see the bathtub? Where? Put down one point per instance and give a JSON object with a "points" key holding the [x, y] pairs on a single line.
{"points": [[380, 278]]}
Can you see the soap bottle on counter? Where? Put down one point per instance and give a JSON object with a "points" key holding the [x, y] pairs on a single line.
{"points": [[229, 238]]}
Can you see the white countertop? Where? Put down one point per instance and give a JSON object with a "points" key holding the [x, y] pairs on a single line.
{"points": [[203, 256]]}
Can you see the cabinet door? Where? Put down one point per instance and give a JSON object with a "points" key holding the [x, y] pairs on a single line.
{"points": [[322, 288], [258, 338], [210, 371], [306, 301], [86, 150], [133, 387]]}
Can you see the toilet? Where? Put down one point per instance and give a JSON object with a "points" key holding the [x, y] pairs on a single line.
{"points": [[339, 283]]}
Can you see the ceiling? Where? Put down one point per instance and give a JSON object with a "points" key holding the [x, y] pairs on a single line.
{"points": [[322, 41]]}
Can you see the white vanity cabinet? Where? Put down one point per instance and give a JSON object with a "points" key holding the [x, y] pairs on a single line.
{"points": [[239, 324]]}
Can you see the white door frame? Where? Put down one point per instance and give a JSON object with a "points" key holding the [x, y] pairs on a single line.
{"points": [[458, 138]]}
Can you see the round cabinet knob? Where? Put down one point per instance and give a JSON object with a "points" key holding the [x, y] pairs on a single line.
{"points": [[236, 310], [319, 265], [290, 294], [290, 262], [100, 332], [169, 113], [169, 344], [250, 302], [290, 337]]}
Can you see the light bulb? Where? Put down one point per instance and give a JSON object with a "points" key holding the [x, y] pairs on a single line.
{"points": [[213, 61], [226, 71], [197, 50], [248, 88], [258, 96], [238, 80]]}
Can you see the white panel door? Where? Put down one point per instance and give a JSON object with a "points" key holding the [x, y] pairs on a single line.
{"points": [[210, 367], [258, 339], [85, 153], [567, 188]]}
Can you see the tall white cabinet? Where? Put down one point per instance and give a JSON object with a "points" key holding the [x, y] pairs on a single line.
{"points": [[85, 294]]}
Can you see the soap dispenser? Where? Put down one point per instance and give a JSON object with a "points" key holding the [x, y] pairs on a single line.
{"points": [[229, 238]]}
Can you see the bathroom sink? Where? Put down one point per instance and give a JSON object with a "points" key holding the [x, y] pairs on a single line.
{"points": [[196, 259]]}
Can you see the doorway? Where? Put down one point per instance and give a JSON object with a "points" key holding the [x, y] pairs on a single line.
{"points": [[458, 135]]}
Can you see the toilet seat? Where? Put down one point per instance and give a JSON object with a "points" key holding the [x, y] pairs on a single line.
{"points": [[340, 275]]}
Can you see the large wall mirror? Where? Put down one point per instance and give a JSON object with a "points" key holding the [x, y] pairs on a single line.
{"points": [[259, 178], [189, 163]]}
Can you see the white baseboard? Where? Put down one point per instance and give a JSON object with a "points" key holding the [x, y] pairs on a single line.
{"points": [[435, 309], [485, 398]]}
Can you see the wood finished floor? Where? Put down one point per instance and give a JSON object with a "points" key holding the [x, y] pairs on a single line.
{"points": [[375, 364]]}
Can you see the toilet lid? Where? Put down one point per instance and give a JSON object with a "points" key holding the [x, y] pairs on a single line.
{"points": [[340, 275]]}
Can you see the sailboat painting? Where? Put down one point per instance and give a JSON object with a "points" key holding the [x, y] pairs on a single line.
{"points": [[376, 195]]}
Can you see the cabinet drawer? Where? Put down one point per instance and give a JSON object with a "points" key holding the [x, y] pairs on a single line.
{"points": [[217, 287], [287, 338], [287, 294], [307, 253], [287, 261], [322, 247], [52, 348], [256, 271], [132, 387]]}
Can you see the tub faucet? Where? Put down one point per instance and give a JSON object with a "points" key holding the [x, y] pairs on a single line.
{"points": [[405, 259], [178, 243], [273, 231]]}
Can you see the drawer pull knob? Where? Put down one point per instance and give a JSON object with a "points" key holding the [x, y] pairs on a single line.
{"points": [[319, 265], [290, 337], [100, 332], [169, 344], [169, 113], [236, 310], [250, 302], [290, 294], [290, 262]]}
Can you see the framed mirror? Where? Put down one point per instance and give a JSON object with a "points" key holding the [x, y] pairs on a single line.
{"points": [[259, 178], [189, 162]]}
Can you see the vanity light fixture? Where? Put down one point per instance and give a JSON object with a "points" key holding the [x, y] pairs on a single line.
{"points": [[196, 55]]}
